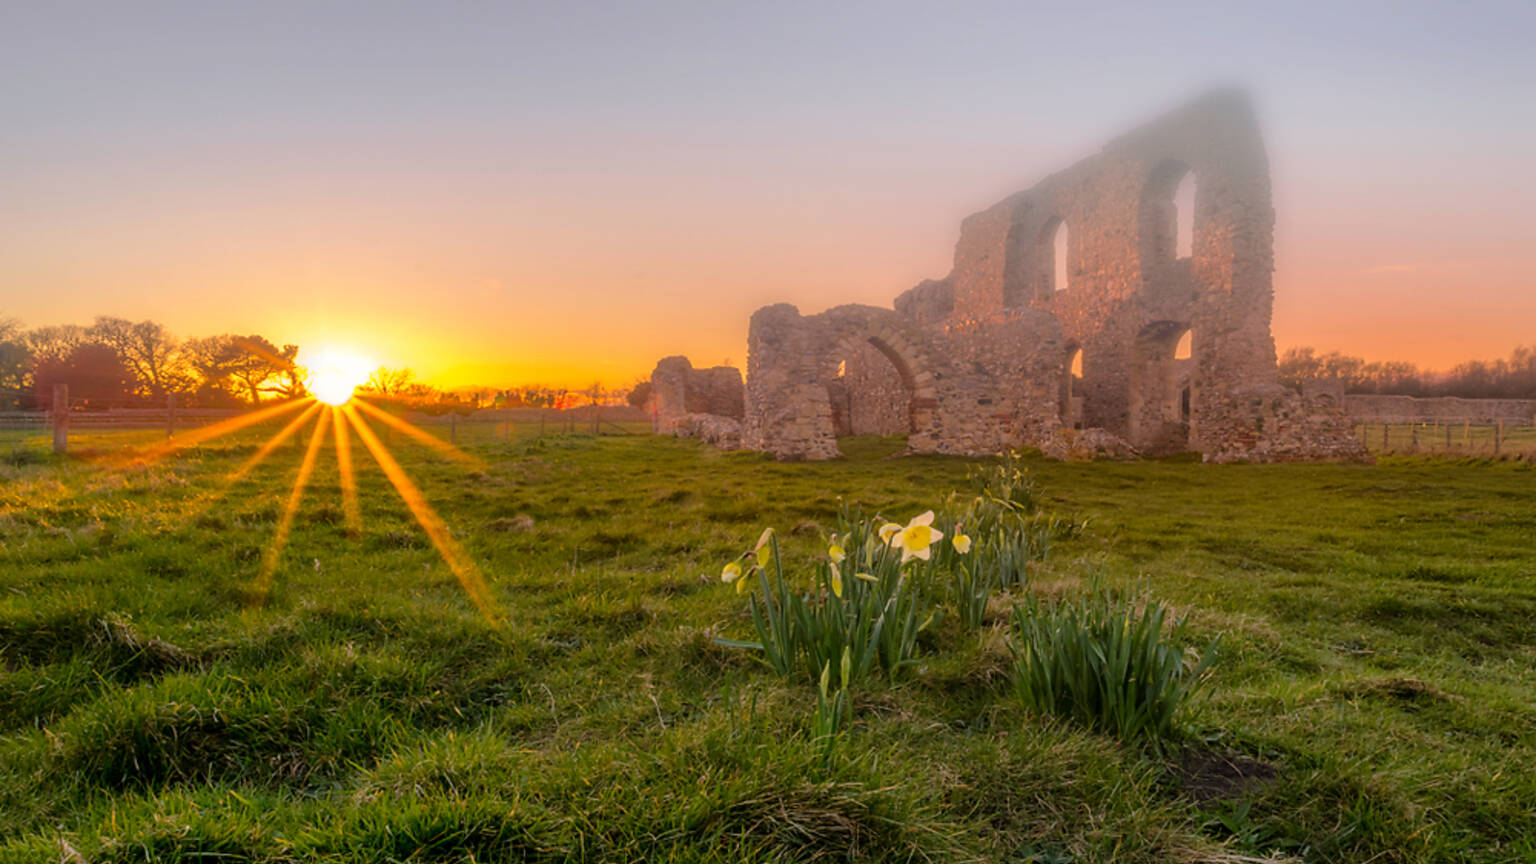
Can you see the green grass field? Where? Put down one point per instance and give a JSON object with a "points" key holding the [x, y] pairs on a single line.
{"points": [[1375, 700]]}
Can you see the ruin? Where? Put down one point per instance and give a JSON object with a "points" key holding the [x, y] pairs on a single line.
{"points": [[1076, 319]]}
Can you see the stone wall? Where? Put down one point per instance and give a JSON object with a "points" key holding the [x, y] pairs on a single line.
{"points": [[1370, 408], [981, 357], [678, 390]]}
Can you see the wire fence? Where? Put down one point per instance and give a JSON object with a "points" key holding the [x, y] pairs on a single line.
{"points": [[1452, 438], [91, 429]]}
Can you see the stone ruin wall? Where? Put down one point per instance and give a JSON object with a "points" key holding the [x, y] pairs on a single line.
{"points": [[697, 403], [1371, 408], [981, 358]]}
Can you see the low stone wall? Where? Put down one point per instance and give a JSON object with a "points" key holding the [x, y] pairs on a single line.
{"points": [[1369, 408]]}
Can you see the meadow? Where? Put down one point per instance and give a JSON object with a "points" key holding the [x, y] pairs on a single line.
{"points": [[1374, 698]]}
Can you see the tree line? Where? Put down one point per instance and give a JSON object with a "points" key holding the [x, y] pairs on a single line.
{"points": [[1510, 378], [115, 362]]}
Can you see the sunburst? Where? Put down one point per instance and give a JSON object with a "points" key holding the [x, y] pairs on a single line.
{"points": [[335, 408]]}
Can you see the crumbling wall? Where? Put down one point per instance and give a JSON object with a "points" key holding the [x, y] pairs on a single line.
{"points": [[678, 390], [982, 356]]}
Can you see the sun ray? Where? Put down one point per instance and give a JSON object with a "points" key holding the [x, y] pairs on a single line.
{"points": [[346, 475], [273, 443], [274, 552], [200, 505], [223, 427], [426, 438], [437, 531]]}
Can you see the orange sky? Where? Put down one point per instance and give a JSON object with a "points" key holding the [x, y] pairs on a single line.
{"points": [[559, 195]]}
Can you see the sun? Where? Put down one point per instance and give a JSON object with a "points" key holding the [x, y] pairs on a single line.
{"points": [[334, 375]]}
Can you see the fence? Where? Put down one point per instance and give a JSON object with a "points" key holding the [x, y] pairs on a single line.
{"points": [[114, 427], [1450, 438]]}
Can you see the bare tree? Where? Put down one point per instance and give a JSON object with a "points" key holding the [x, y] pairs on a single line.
{"points": [[56, 342], [151, 353], [388, 381]]}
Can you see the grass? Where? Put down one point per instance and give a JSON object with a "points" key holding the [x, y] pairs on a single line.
{"points": [[1373, 702]]}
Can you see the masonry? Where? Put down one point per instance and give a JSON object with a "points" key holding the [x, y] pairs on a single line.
{"points": [[1075, 319]]}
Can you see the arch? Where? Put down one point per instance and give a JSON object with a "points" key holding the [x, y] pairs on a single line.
{"points": [[1069, 403], [862, 397], [1168, 211], [1162, 390]]}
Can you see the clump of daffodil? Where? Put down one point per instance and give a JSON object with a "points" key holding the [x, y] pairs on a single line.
{"points": [[915, 539]]}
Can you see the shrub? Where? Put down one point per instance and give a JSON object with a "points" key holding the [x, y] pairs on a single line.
{"points": [[1098, 660]]}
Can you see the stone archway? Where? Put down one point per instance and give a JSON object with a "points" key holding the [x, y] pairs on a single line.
{"points": [[1161, 389]]}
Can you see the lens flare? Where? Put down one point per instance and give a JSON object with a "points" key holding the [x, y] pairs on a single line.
{"points": [[335, 375]]}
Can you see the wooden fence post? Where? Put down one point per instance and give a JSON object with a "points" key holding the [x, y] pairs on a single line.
{"points": [[453, 427], [1413, 443], [1447, 437], [1498, 436], [60, 412], [170, 415], [1384, 428]]}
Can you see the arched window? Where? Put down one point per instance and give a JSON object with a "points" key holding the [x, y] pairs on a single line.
{"points": [[1185, 349], [1168, 213], [1184, 216], [1059, 245]]}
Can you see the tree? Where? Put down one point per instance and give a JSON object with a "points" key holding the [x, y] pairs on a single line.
{"points": [[640, 394], [55, 343], [244, 367], [15, 363], [95, 374], [387, 381], [153, 355]]}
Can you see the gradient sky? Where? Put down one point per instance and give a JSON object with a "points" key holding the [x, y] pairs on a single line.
{"points": [[557, 192]]}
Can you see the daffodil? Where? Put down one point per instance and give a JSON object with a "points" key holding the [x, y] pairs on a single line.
{"points": [[764, 549], [731, 572], [836, 553], [866, 577], [837, 584], [916, 537], [888, 533], [962, 543]]}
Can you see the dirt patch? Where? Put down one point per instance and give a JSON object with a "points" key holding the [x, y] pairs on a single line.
{"points": [[1205, 776]]}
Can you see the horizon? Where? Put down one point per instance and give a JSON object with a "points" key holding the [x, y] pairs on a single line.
{"points": [[562, 196]]}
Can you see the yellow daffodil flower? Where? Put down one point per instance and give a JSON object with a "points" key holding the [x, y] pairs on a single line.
{"points": [[916, 537], [731, 573], [764, 550], [888, 533], [962, 543], [836, 553], [837, 584]]}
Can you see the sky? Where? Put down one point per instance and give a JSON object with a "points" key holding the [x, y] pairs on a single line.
{"points": [[498, 193]]}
